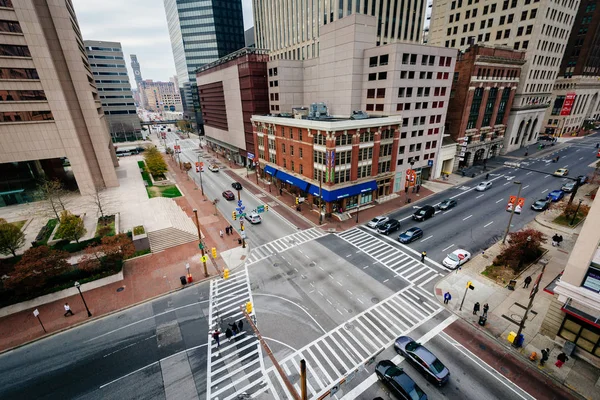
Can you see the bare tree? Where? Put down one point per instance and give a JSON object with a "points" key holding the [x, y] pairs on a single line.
{"points": [[102, 202], [53, 193]]}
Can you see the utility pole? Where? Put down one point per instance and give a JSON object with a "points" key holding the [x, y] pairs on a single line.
{"points": [[200, 170], [534, 290], [257, 171], [201, 244], [469, 286], [576, 211], [304, 394], [512, 211], [358, 208], [320, 199]]}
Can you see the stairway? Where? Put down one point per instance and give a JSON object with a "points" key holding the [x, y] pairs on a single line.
{"points": [[163, 239]]}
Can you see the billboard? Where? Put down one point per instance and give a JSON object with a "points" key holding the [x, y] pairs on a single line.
{"points": [[520, 203], [568, 104]]}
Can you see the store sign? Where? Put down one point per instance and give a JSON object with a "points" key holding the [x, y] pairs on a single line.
{"points": [[568, 104], [592, 280]]}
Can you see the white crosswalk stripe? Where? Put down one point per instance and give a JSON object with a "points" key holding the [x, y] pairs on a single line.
{"points": [[285, 243], [390, 256], [354, 343]]}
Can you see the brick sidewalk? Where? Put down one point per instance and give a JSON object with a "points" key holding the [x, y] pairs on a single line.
{"points": [[143, 278]]}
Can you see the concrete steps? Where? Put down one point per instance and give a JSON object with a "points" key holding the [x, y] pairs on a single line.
{"points": [[163, 239]]}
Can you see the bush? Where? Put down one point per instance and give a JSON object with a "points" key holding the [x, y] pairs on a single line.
{"points": [[71, 227], [37, 266], [524, 247], [138, 230], [11, 238]]}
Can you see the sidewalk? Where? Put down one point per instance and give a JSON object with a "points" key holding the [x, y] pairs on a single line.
{"points": [[144, 278], [507, 307]]}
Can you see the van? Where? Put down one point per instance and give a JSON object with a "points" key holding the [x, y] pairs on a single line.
{"points": [[424, 213]]}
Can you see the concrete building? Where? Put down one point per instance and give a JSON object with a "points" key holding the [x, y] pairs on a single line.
{"points": [[50, 108], [249, 37], [137, 73], [483, 89], [293, 32], [344, 162], [201, 31], [352, 73], [231, 90], [110, 73], [540, 28], [575, 98], [161, 96]]}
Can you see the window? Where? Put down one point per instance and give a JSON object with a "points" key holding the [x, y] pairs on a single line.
{"points": [[365, 154], [10, 26], [24, 116], [6, 3], [372, 76], [373, 61], [7, 50], [525, 44], [502, 20], [283, 148], [380, 93], [370, 93], [405, 58], [300, 150], [424, 59], [292, 150], [519, 31], [21, 95], [485, 10], [498, 35], [382, 76], [506, 33], [529, 29], [502, 106], [493, 9], [533, 13], [370, 107], [510, 18], [489, 106], [401, 92], [475, 105], [409, 92], [378, 107], [18, 73], [383, 59], [300, 135]]}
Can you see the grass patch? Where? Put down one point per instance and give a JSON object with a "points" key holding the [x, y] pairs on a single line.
{"points": [[499, 273], [106, 226], [145, 174], [19, 224], [140, 253], [170, 191], [565, 220], [44, 234]]}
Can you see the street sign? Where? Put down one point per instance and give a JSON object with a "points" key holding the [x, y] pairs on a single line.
{"points": [[239, 203], [260, 209], [36, 312], [250, 156], [430, 163], [200, 246], [242, 215], [204, 258]]}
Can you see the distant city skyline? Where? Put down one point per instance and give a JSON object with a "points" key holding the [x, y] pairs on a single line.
{"points": [[141, 28]]}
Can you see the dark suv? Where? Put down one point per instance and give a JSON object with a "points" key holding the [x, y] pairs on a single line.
{"points": [[398, 381], [424, 213], [422, 359], [389, 226]]}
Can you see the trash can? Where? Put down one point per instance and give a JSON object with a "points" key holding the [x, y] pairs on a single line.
{"points": [[519, 340], [239, 241], [482, 320], [189, 279], [183, 280], [408, 201]]}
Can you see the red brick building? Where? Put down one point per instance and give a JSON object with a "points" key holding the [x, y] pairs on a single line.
{"points": [[354, 160], [483, 89]]}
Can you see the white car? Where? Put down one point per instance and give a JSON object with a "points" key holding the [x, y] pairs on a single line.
{"points": [[456, 258], [253, 218], [483, 186], [213, 168], [376, 221]]}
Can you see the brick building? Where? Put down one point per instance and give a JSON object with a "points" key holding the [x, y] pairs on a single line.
{"points": [[354, 160], [483, 90]]}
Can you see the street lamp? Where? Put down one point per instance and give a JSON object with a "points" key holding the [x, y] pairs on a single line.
{"points": [[576, 211], [200, 171], [78, 286], [512, 211]]}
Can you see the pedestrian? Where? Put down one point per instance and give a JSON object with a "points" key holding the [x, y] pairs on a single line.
{"points": [[227, 230], [240, 325], [231, 229], [526, 153], [447, 297], [221, 233], [487, 176], [476, 308], [545, 356], [418, 188], [228, 334], [234, 328], [486, 307], [215, 336], [423, 255], [526, 282], [561, 359], [560, 239], [555, 240], [280, 191], [68, 309]]}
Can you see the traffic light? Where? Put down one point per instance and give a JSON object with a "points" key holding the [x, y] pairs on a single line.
{"points": [[225, 273], [249, 307], [470, 285], [266, 207], [234, 215], [297, 201], [242, 227], [214, 252]]}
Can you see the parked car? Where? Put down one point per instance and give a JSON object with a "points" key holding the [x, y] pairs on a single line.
{"points": [[448, 204], [423, 360], [424, 213], [389, 226], [376, 221], [456, 258], [398, 381], [541, 205], [483, 186], [253, 218], [410, 235], [228, 194], [213, 168], [236, 185], [556, 195], [568, 187], [561, 172]]}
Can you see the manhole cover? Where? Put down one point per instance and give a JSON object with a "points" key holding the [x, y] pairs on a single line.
{"points": [[348, 327], [276, 265], [350, 311], [290, 273], [312, 264], [120, 289], [374, 300]]}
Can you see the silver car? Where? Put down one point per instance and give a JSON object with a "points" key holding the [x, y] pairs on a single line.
{"points": [[483, 186], [376, 221]]}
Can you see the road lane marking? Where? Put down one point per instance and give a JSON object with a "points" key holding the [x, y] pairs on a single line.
{"points": [[133, 344], [349, 291], [385, 280], [452, 245], [581, 158], [525, 187], [361, 302], [365, 267], [339, 283], [547, 176], [485, 226], [464, 219], [481, 195], [446, 212], [507, 183], [499, 201], [321, 268], [300, 251], [349, 255], [545, 191], [339, 311], [329, 301], [296, 304], [530, 172], [296, 269], [331, 276], [427, 238]]}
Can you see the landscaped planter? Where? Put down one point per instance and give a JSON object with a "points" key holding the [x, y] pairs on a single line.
{"points": [[54, 240], [161, 182], [140, 240]]}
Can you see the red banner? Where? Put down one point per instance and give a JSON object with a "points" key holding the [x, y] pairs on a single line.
{"points": [[568, 104], [511, 202]]}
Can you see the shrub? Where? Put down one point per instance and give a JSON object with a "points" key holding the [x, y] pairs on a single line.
{"points": [[111, 251], [523, 248], [11, 238], [138, 230], [71, 227], [36, 267]]}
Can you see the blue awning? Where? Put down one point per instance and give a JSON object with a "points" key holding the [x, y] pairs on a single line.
{"points": [[364, 187], [269, 170], [292, 180]]}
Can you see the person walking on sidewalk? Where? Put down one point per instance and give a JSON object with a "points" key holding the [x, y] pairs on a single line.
{"points": [[545, 356], [241, 325], [221, 233], [476, 308], [555, 240], [486, 307], [234, 328], [487, 176], [215, 336], [447, 297], [423, 255], [561, 359], [227, 230], [228, 334], [526, 282], [68, 310]]}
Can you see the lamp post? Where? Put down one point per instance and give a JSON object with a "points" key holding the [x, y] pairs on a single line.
{"points": [[512, 211], [576, 211], [78, 286], [534, 290], [200, 244], [177, 152], [200, 170]]}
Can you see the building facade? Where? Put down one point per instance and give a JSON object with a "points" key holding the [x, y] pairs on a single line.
{"points": [[352, 73], [231, 90], [483, 89], [340, 162], [575, 98], [161, 96], [540, 28], [137, 73], [201, 31], [50, 108], [110, 73], [293, 31]]}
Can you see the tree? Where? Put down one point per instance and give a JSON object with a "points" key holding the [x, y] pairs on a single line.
{"points": [[184, 125], [53, 192], [101, 202], [71, 227], [36, 267], [523, 247], [108, 254], [11, 238], [155, 162]]}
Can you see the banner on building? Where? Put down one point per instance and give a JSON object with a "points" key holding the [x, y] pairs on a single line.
{"points": [[411, 177], [511, 202], [568, 104]]}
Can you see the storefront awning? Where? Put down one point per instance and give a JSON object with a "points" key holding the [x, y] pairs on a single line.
{"points": [[269, 170], [338, 194], [292, 180]]}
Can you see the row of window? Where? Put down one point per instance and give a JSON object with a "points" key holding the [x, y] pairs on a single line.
{"points": [[419, 105], [18, 73], [494, 73], [120, 112], [99, 57], [10, 26], [6, 3], [26, 116], [411, 59], [22, 95], [420, 132], [379, 60], [9, 50], [111, 73]]}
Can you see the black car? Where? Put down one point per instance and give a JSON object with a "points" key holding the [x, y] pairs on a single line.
{"points": [[398, 381], [424, 213], [410, 235], [422, 359], [448, 204], [389, 226], [236, 185], [541, 205]]}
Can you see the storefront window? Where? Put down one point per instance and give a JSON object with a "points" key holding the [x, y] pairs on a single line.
{"points": [[585, 336]]}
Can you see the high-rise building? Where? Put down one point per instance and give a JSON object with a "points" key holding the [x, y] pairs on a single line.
{"points": [[576, 95], [292, 32], [161, 96], [201, 31], [52, 123], [540, 28], [137, 73], [110, 74]]}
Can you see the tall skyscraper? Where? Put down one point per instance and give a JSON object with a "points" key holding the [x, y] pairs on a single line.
{"points": [[110, 74], [292, 32], [50, 108], [137, 73], [539, 27], [201, 31]]}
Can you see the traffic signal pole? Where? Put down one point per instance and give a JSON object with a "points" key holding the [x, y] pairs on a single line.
{"points": [[201, 244]]}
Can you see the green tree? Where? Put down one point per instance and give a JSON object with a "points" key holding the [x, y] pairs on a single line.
{"points": [[155, 161], [71, 227], [36, 267], [11, 238], [184, 125]]}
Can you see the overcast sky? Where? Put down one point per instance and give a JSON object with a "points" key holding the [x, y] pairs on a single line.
{"points": [[140, 26]]}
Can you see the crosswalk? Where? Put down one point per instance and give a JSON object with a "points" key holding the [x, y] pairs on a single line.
{"points": [[354, 343], [390, 256], [287, 242], [236, 366]]}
